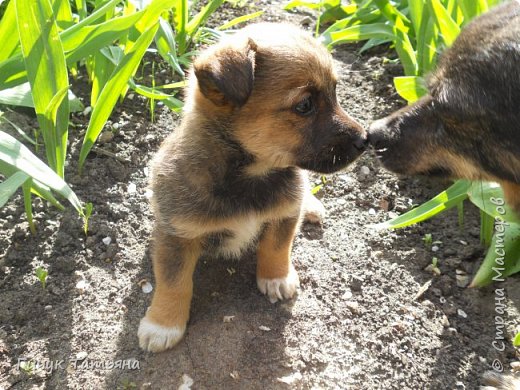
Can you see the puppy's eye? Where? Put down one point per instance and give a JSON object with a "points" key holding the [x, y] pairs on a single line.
{"points": [[305, 107]]}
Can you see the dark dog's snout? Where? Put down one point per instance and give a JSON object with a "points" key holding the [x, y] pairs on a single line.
{"points": [[377, 134], [361, 143]]}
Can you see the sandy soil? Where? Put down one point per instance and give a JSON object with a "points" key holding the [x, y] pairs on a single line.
{"points": [[359, 322]]}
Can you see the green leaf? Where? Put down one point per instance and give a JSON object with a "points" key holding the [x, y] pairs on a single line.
{"points": [[7, 28], [47, 73], [150, 93], [487, 228], [516, 340], [410, 88], [240, 19], [303, 3], [199, 19], [27, 202], [447, 26], [489, 197], [454, 195], [21, 95], [16, 155], [358, 33], [78, 43], [101, 70], [503, 257], [110, 93], [9, 186], [165, 43]]}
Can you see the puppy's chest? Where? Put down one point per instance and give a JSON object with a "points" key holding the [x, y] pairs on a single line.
{"points": [[235, 239]]}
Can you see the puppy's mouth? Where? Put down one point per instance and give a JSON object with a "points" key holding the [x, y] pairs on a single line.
{"points": [[330, 162]]}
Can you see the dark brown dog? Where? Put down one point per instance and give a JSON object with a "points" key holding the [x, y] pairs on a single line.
{"points": [[261, 107], [469, 124]]}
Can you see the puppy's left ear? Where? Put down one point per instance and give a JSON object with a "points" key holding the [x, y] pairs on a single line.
{"points": [[226, 74]]}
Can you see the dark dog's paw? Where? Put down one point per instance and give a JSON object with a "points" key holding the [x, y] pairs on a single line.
{"points": [[495, 381]]}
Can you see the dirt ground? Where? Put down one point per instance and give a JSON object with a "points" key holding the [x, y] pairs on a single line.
{"points": [[359, 321]]}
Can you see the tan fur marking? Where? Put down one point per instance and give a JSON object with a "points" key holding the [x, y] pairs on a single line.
{"points": [[172, 298], [273, 256]]}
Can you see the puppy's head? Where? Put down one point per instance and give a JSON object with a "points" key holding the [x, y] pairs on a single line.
{"points": [[274, 89]]}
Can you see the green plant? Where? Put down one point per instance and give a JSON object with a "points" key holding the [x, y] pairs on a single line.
{"points": [[86, 216], [428, 240], [417, 29], [27, 367], [109, 39], [42, 274]]}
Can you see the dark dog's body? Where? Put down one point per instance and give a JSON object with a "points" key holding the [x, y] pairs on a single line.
{"points": [[469, 124], [261, 106]]}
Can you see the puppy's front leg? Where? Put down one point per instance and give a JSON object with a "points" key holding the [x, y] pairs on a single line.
{"points": [[275, 274], [174, 261]]}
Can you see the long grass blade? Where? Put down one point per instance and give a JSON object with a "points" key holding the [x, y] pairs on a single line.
{"points": [[448, 28], [9, 186], [502, 258], [110, 93], [17, 156], [7, 27], [444, 201], [47, 73]]}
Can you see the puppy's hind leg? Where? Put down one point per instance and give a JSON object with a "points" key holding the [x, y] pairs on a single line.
{"points": [[174, 260], [275, 274]]}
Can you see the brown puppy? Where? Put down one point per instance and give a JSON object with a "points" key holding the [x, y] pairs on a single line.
{"points": [[261, 107], [469, 124]]}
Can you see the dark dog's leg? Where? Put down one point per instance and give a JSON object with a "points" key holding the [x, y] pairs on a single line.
{"points": [[512, 194], [275, 274], [174, 261]]}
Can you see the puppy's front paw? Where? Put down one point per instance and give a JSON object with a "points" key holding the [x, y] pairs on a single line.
{"points": [[279, 288], [313, 209], [157, 338]]}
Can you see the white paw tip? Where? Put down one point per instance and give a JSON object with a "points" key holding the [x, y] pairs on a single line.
{"points": [[157, 338], [279, 288], [314, 211]]}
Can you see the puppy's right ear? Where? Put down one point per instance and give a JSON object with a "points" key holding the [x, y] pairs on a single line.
{"points": [[226, 74]]}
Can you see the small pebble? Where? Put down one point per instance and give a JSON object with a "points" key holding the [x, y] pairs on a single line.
{"points": [[372, 212], [87, 111], [147, 287], [364, 170], [107, 240], [148, 193], [264, 328], [353, 306], [81, 355], [435, 248], [462, 313], [81, 286], [132, 188]]}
